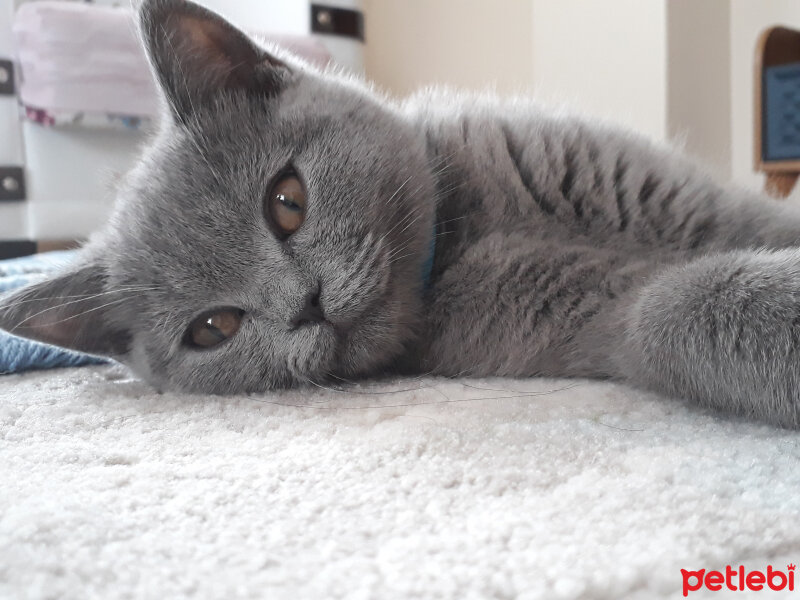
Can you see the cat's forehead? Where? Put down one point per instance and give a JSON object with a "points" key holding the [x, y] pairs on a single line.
{"points": [[308, 106]]}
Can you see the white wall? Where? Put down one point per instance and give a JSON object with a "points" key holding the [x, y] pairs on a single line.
{"points": [[672, 69], [470, 44], [699, 80], [607, 58], [576, 51]]}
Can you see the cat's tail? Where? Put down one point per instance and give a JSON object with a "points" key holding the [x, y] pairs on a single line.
{"points": [[723, 330]]}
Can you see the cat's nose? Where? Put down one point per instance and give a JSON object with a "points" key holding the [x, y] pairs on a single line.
{"points": [[311, 311]]}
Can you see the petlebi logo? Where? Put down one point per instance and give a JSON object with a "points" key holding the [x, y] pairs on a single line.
{"points": [[739, 579]]}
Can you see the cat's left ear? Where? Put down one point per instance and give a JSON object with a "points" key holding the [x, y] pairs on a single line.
{"points": [[197, 55], [72, 310]]}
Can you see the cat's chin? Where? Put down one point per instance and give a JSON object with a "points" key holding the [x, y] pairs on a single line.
{"points": [[369, 347]]}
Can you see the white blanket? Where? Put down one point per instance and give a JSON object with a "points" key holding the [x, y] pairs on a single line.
{"points": [[529, 489]]}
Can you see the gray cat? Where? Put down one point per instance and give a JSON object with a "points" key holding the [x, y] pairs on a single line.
{"points": [[289, 226]]}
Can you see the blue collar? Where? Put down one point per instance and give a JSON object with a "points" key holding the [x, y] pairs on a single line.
{"points": [[427, 266]]}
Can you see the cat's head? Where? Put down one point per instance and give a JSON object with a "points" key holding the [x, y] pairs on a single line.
{"points": [[274, 231]]}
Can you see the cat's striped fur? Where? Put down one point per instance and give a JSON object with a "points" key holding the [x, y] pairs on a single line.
{"points": [[573, 248]]}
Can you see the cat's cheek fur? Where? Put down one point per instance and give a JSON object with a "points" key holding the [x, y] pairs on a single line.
{"points": [[384, 334], [312, 355]]}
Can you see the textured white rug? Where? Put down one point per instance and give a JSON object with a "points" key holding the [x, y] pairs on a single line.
{"points": [[444, 490]]}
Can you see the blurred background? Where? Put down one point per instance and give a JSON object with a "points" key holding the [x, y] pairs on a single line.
{"points": [[688, 71]]}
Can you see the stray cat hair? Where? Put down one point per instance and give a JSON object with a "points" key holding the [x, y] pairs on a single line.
{"points": [[289, 226]]}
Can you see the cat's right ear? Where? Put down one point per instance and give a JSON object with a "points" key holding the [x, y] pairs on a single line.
{"points": [[197, 55]]}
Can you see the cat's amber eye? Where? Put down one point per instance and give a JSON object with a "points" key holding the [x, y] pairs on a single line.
{"points": [[285, 206], [213, 328]]}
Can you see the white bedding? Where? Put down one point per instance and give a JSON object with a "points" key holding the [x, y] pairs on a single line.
{"points": [[110, 490]]}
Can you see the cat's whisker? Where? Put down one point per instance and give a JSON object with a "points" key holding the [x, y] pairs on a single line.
{"points": [[454, 219], [407, 241], [447, 399], [388, 233], [404, 229], [443, 160], [162, 323], [405, 218], [439, 173], [522, 392], [397, 191], [397, 251], [351, 382], [442, 192], [394, 260], [78, 296], [365, 393], [75, 316], [417, 189], [63, 304], [342, 379], [410, 218], [441, 164]]}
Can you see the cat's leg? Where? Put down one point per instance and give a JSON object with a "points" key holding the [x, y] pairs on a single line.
{"points": [[723, 330]]}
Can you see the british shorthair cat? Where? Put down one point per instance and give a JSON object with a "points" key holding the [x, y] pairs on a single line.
{"points": [[288, 225]]}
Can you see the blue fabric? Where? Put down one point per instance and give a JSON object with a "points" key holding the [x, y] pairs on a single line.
{"points": [[18, 354], [782, 112]]}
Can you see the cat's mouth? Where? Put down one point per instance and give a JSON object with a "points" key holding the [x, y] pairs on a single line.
{"points": [[313, 353]]}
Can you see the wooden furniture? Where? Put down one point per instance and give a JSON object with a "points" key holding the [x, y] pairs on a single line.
{"points": [[777, 72]]}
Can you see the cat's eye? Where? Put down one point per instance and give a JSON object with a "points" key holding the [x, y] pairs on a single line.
{"points": [[285, 205], [213, 328]]}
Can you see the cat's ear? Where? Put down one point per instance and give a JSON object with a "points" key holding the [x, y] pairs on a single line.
{"points": [[72, 310], [197, 55]]}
